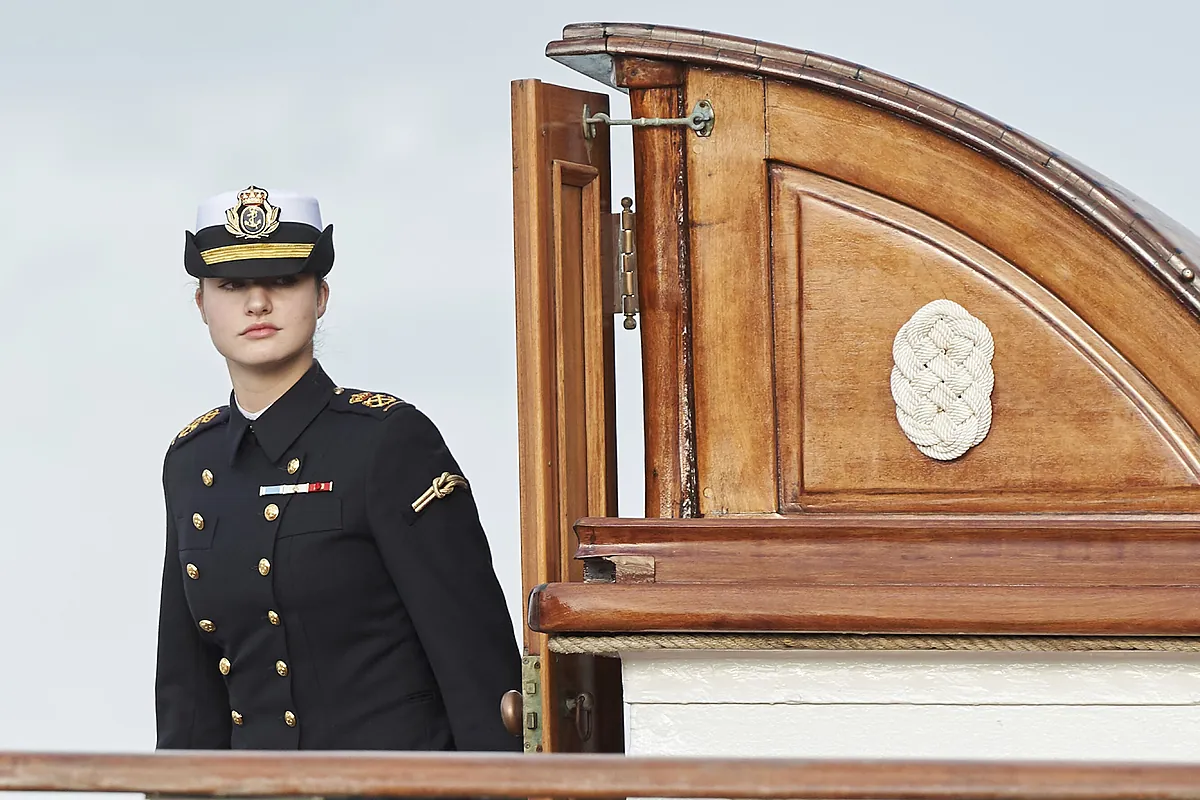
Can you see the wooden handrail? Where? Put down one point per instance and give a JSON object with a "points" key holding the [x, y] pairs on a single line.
{"points": [[250, 773]]}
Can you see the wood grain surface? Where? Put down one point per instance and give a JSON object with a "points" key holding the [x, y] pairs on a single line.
{"points": [[730, 268], [665, 311], [792, 608], [247, 774], [844, 549], [1068, 414]]}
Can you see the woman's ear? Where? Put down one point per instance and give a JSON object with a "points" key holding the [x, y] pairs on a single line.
{"points": [[322, 298], [200, 301]]}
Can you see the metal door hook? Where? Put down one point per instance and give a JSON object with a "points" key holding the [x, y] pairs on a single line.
{"points": [[700, 120]]}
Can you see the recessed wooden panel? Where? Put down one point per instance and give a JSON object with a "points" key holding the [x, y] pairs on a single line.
{"points": [[1070, 418], [1003, 211]]}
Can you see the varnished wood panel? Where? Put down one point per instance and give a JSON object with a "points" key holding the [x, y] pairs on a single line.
{"points": [[1084, 550], [665, 313], [565, 386], [1003, 211], [727, 203], [979, 610], [308, 774], [1069, 414]]}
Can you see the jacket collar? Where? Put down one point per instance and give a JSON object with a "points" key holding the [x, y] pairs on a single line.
{"points": [[281, 425]]}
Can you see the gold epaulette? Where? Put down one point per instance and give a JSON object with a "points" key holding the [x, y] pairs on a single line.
{"points": [[373, 400], [203, 419]]}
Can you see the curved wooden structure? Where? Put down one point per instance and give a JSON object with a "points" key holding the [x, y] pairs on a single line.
{"points": [[830, 202], [778, 256]]}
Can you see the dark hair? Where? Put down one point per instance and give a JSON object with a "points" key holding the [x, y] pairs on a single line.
{"points": [[198, 284]]}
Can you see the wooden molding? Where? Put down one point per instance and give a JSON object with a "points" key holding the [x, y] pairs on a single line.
{"points": [[974, 610], [982, 574]]}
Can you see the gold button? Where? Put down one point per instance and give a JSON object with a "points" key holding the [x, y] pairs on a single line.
{"points": [[224, 666], [207, 477], [338, 390], [271, 512], [237, 718], [264, 567], [293, 466], [198, 521], [207, 625], [271, 615], [281, 668], [290, 719], [193, 571]]}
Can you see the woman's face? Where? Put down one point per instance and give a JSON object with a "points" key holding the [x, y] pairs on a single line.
{"points": [[264, 322]]}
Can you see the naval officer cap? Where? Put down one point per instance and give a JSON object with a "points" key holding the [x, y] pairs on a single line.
{"points": [[256, 233]]}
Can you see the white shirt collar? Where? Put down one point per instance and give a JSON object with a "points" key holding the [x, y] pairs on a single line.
{"points": [[248, 415]]}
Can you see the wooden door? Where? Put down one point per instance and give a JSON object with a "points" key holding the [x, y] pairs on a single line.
{"points": [[565, 393]]}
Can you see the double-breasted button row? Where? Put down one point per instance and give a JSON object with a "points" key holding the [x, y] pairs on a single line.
{"points": [[281, 667], [288, 717]]}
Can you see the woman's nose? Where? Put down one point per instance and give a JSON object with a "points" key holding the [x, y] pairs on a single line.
{"points": [[258, 301]]}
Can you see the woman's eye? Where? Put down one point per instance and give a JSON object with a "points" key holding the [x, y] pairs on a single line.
{"points": [[231, 285], [286, 280]]}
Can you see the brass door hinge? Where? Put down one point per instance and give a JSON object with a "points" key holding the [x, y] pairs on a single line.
{"points": [[622, 297], [531, 694]]}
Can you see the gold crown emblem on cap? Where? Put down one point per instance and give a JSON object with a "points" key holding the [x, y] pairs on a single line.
{"points": [[253, 217], [252, 195]]}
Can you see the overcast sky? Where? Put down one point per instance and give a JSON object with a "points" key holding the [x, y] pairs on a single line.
{"points": [[116, 118]]}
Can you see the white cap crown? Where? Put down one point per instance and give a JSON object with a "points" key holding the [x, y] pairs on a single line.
{"points": [[292, 207]]}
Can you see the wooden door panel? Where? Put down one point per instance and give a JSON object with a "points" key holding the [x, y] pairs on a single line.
{"points": [[565, 380], [850, 268]]}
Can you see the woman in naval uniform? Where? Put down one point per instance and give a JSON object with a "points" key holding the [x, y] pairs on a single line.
{"points": [[327, 583]]}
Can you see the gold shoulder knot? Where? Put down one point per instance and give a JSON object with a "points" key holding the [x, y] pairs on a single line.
{"points": [[374, 400], [442, 485], [203, 419]]}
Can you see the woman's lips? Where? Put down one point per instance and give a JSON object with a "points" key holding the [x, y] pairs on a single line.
{"points": [[260, 331]]}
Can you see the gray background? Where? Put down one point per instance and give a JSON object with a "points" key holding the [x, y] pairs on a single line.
{"points": [[117, 118]]}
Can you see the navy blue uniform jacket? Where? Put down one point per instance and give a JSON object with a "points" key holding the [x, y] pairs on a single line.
{"points": [[333, 619]]}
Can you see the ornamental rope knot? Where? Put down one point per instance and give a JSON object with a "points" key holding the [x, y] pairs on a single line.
{"points": [[942, 379]]}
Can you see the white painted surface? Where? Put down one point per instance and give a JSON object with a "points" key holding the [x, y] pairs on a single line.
{"points": [[853, 704], [1120, 733]]}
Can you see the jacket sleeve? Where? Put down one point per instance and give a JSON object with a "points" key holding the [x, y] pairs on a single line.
{"points": [[191, 701], [441, 564]]}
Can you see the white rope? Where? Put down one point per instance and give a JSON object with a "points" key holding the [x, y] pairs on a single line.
{"points": [[942, 379]]}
